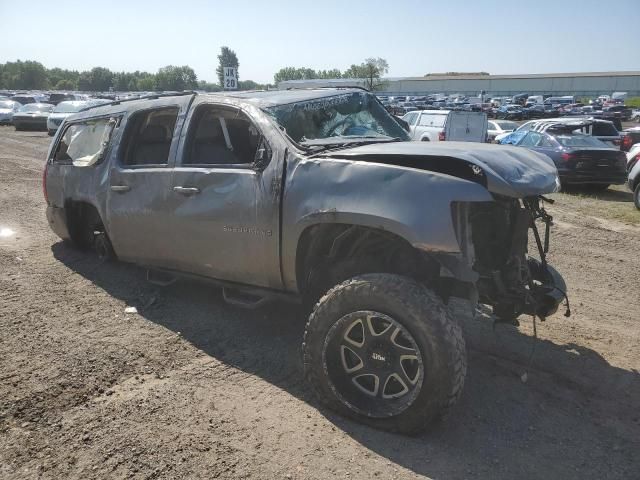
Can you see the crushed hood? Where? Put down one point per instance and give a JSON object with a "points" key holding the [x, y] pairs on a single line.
{"points": [[506, 170]]}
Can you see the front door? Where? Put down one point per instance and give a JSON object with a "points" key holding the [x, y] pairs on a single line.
{"points": [[225, 197]]}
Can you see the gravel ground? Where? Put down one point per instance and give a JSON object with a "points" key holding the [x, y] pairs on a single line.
{"points": [[190, 387]]}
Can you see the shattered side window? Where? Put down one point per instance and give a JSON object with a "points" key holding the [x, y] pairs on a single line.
{"points": [[354, 114], [83, 144]]}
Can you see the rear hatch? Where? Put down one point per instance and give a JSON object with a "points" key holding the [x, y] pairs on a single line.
{"points": [[597, 160], [466, 127]]}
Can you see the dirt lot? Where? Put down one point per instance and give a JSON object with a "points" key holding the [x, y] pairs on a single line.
{"points": [[192, 388]]}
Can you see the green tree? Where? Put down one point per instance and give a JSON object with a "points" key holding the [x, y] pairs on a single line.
{"points": [[146, 83], [371, 71], [208, 86], [65, 84], [251, 85], [176, 78], [26, 75], [84, 81], [122, 80], [57, 75], [101, 79], [227, 58], [328, 74], [294, 73]]}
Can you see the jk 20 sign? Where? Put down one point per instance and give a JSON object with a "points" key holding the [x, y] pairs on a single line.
{"points": [[230, 78]]}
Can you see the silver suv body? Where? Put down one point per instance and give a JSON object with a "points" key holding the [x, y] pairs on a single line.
{"points": [[318, 196]]}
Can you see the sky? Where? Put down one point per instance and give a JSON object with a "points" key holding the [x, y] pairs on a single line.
{"points": [[415, 37]]}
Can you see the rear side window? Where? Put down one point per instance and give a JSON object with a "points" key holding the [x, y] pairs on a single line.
{"points": [[604, 130], [148, 137], [84, 144], [531, 139], [410, 118], [429, 120]]}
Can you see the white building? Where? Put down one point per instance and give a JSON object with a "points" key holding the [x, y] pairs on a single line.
{"points": [[587, 84]]}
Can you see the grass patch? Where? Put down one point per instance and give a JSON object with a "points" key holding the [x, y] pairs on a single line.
{"points": [[615, 203]]}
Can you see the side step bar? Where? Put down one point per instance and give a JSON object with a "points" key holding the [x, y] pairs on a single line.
{"points": [[245, 296], [245, 299]]}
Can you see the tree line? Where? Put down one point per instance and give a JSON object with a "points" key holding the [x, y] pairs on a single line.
{"points": [[370, 71], [32, 75]]}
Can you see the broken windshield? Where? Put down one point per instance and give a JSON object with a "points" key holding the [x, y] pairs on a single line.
{"points": [[353, 115]]}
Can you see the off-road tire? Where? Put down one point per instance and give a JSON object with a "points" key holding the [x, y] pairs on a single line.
{"points": [[636, 196], [418, 310]]}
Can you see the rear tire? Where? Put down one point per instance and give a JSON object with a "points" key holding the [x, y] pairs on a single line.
{"points": [[636, 196], [414, 336]]}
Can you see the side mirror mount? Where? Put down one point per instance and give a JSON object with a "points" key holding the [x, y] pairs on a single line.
{"points": [[263, 155]]}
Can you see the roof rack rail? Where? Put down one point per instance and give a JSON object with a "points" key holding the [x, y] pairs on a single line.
{"points": [[153, 96], [336, 87]]}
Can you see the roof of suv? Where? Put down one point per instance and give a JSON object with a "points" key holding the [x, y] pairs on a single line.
{"points": [[258, 98]]}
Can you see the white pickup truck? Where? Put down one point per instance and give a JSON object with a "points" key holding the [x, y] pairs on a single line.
{"points": [[439, 125]]}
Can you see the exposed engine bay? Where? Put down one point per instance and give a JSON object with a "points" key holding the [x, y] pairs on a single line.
{"points": [[511, 280]]}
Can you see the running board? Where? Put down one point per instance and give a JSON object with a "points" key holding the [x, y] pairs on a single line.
{"points": [[160, 277], [244, 299]]}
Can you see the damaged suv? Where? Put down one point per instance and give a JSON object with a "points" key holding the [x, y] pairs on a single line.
{"points": [[317, 196]]}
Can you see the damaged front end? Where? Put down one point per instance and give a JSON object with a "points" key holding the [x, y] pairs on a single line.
{"points": [[494, 239]]}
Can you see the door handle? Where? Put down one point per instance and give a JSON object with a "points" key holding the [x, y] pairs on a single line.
{"points": [[120, 188], [186, 190]]}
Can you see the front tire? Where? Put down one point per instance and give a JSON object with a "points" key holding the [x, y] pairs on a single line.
{"points": [[636, 196], [383, 349]]}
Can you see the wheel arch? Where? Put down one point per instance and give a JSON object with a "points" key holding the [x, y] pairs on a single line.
{"points": [[82, 219]]}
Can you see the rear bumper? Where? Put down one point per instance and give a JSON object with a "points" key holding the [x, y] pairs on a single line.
{"points": [[581, 178], [57, 219], [35, 124]]}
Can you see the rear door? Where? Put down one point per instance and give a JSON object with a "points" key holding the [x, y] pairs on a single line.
{"points": [[140, 183], [225, 195], [466, 127]]}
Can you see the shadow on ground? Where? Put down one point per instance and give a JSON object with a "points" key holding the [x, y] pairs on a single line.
{"points": [[576, 416]]}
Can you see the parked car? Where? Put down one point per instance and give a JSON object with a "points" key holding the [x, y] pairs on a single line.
{"points": [[535, 111], [67, 108], [630, 137], [633, 155], [633, 167], [7, 109], [32, 116], [25, 99], [581, 159], [57, 97], [635, 114], [316, 196], [603, 130], [439, 125], [61, 111], [510, 112], [625, 113], [498, 127]]}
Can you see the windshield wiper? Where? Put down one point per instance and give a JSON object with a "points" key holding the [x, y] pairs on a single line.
{"points": [[337, 143]]}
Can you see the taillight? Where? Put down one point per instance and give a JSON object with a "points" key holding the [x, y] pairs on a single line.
{"points": [[567, 156], [44, 182], [441, 136], [626, 143]]}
